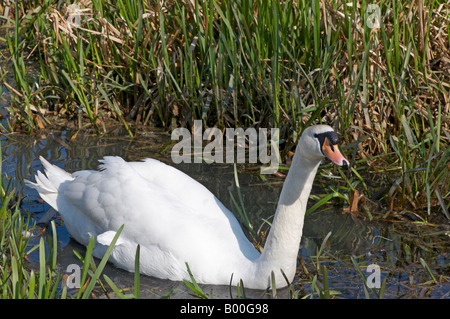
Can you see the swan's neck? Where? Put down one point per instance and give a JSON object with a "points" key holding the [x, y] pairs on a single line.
{"points": [[283, 241]]}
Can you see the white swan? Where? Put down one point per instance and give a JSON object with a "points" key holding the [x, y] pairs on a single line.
{"points": [[176, 220]]}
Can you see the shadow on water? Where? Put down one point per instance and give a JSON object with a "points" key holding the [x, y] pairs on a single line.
{"points": [[395, 247]]}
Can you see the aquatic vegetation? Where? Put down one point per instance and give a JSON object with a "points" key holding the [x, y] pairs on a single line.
{"points": [[383, 81]]}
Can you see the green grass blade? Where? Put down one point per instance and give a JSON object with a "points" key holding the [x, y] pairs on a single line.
{"points": [[114, 287], [193, 284], [42, 269], [31, 285], [137, 274], [86, 263], [427, 268], [102, 264]]}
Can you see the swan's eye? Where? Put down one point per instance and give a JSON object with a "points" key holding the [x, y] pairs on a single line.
{"points": [[327, 140], [328, 146]]}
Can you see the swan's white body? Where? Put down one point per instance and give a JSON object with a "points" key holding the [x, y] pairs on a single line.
{"points": [[176, 220]]}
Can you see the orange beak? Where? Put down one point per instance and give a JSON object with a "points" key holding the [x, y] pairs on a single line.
{"points": [[333, 153]]}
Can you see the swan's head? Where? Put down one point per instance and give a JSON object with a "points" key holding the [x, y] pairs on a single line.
{"points": [[320, 141]]}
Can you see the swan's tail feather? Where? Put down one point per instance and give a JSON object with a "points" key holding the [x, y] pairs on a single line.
{"points": [[47, 185], [54, 173]]}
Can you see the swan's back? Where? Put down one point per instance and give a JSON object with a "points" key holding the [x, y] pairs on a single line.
{"points": [[171, 216]]}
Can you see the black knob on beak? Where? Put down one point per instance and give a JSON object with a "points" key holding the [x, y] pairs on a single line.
{"points": [[345, 164]]}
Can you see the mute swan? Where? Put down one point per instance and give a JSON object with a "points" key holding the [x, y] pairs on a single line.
{"points": [[176, 220]]}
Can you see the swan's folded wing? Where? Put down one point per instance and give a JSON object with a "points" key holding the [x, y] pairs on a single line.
{"points": [[148, 196]]}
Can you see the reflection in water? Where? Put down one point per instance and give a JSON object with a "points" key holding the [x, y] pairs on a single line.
{"points": [[371, 243]]}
